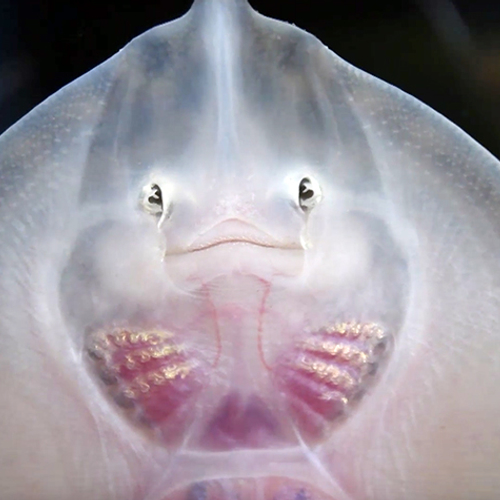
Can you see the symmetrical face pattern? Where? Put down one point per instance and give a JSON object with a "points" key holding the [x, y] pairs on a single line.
{"points": [[234, 266]]}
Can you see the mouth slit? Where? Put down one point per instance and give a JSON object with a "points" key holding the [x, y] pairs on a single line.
{"points": [[234, 231], [233, 240]]}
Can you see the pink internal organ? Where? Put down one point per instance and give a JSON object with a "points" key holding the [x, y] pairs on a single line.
{"points": [[323, 374], [242, 423], [149, 372], [261, 488]]}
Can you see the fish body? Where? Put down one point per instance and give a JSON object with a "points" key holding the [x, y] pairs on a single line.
{"points": [[234, 265]]}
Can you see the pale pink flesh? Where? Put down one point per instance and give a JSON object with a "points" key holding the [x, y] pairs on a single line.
{"points": [[358, 459], [406, 233]]}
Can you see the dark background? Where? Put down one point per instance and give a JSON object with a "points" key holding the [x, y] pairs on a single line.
{"points": [[445, 52]]}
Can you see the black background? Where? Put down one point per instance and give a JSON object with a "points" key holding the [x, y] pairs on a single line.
{"points": [[446, 53]]}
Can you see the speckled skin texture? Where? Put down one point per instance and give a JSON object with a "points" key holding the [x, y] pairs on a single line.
{"points": [[234, 266]]}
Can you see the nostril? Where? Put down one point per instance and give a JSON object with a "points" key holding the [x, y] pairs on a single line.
{"points": [[305, 190], [152, 200], [309, 193]]}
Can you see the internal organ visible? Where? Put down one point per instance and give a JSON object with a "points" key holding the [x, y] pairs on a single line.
{"points": [[149, 374], [327, 371], [276, 488], [306, 387]]}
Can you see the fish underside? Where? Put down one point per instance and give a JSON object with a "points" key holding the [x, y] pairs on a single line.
{"points": [[234, 266]]}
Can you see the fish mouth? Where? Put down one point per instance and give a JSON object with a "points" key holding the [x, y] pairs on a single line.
{"points": [[235, 232], [238, 239]]}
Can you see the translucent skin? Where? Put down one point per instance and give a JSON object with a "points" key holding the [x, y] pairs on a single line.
{"points": [[169, 190]]}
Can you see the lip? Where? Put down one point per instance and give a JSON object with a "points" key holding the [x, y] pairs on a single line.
{"points": [[235, 231]]}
